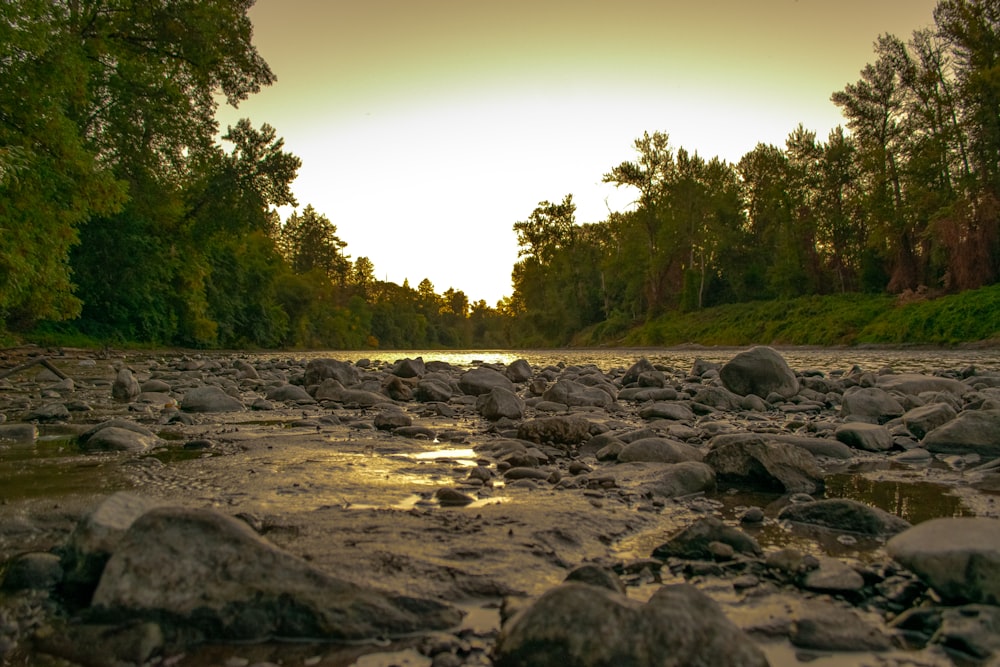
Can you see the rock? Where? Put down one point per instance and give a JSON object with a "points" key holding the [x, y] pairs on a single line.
{"points": [[635, 370], [869, 404], [644, 394], [18, 432], [90, 544], [115, 439], [674, 411], [361, 398], [595, 575], [922, 420], [246, 371], [573, 393], [719, 398], [500, 403], [759, 464], [659, 450], [666, 480], [972, 630], [482, 380], [390, 419], [519, 371], [865, 436], [693, 542], [210, 399], [36, 571], [289, 393], [410, 368], [915, 383], [50, 412], [449, 497], [213, 573], [957, 557], [833, 576], [845, 515], [561, 430], [971, 432], [125, 387], [589, 626], [318, 370], [102, 645], [760, 371], [397, 388], [821, 625], [432, 391]]}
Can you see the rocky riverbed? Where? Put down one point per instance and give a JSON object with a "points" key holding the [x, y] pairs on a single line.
{"points": [[234, 509]]}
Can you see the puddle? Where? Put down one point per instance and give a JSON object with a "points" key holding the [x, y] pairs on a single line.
{"points": [[52, 466], [914, 501]]}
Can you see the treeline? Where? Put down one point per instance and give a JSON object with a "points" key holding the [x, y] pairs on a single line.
{"points": [[906, 199], [124, 220]]}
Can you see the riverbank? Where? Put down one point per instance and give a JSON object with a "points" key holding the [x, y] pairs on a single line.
{"points": [[474, 487]]}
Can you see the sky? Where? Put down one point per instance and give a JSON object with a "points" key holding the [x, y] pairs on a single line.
{"points": [[427, 128]]}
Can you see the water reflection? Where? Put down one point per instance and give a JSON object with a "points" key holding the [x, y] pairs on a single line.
{"points": [[914, 501]]}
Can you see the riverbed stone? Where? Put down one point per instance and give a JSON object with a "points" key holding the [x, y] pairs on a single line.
{"points": [[695, 541], [761, 371], [125, 387], [482, 380], [846, 515], [869, 404], [210, 399], [756, 463], [959, 557], [37, 571], [659, 450], [559, 430], [289, 393], [971, 432], [18, 432], [833, 576], [213, 573], [923, 419], [670, 411], [117, 439], [430, 390], [643, 365], [865, 436], [500, 403], [572, 393], [822, 625], [318, 370], [519, 371], [590, 626], [917, 383], [410, 368]]}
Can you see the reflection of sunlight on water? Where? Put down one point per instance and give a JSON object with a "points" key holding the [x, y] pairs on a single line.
{"points": [[464, 457]]}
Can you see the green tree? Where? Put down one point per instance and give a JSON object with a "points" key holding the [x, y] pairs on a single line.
{"points": [[309, 241]]}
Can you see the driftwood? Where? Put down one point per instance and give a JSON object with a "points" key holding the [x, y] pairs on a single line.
{"points": [[28, 364]]}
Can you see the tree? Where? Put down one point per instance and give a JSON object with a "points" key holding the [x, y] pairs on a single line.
{"points": [[309, 241]]}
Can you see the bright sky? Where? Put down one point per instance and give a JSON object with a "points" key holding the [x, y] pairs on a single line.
{"points": [[427, 128]]}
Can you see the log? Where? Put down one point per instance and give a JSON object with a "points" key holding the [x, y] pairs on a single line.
{"points": [[44, 361]]}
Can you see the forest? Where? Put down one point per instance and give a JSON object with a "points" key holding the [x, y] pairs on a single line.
{"points": [[124, 219]]}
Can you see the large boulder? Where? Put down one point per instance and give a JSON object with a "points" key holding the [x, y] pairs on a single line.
{"points": [[760, 371], [213, 573], [430, 390], [119, 435], [210, 399], [869, 404], [915, 383], [922, 420], [410, 368], [957, 557], [847, 515], [318, 370], [561, 430], [581, 625], [500, 403], [659, 450], [482, 380], [865, 436], [125, 387], [971, 432], [665, 480], [766, 465], [570, 392]]}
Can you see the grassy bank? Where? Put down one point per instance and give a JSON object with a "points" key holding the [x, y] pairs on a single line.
{"points": [[849, 319]]}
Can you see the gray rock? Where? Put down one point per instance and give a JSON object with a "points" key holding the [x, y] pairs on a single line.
{"points": [[482, 380], [361, 398], [36, 571], [432, 391], [289, 393], [957, 557], [760, 371], [922, 420], [719, 398], [845, 515], [694, 542], [821, 625], [18, 432], [115, 439], [125, 387], [915, 383], [972, 630], [389, 419], [833, 576], [595, 575], [561, 430], [637, 369], [318, 370], [49, 412], [210, 399], [643, 394], [659, 450], [410, 368], [589, 626], [500, 403], [760, 464], [519, 371], [674, 411], [156, 385], [869, 404], [569, 392], [865, 436], [246, 371], [215, 574], [971, 432]]}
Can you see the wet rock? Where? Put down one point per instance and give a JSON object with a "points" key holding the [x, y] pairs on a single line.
{"points": [[397, 388], [674, 411], [103, 645], [869, 404], [665, 480], [361, 398], [246, 370], [500, 403], [125, 387], [595, 575], [971, 432], [590, 626], [289, 393], [845, 515], [833, 576], [719, 398], [573, 393], [644, 394], [18, 432], [482, 380], [318, 370], [37, 571], [115, 439], [922, 420], [210, 399], [561, 430], [635, 370], [694, 542], [915, 383], [215, 574], [388, 420], [957, 557], [759, 464], [449, 497], [659, 450], [90, 544], [824, 626], [760, 371], [970, 630], [865, 436], [519, 371], [410, 368], [432, 391], [50, 412]]}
